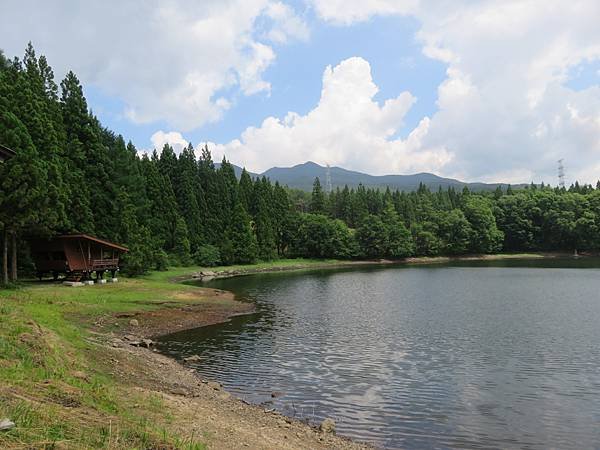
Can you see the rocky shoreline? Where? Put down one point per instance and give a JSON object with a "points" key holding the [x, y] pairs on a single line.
{"points": [[198, 405]]}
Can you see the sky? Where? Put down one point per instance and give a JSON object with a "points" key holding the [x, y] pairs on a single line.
{"points": [[487, 90]]}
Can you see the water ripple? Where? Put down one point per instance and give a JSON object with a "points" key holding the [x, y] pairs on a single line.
{"points": [[418, 357]]}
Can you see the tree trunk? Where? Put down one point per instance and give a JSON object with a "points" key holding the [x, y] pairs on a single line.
{"points": [[13, 259], [5, 257]]}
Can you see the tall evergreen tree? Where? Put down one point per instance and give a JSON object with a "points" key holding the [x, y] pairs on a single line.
{"points": [[317, 199]]}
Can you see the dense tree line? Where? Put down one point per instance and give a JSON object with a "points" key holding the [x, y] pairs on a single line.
{"points": [[71, 174]]}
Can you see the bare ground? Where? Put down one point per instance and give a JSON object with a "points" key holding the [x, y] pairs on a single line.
{"points": [[200, 409]]}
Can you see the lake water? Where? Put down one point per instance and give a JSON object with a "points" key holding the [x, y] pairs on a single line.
{"points": [[472, 355]]}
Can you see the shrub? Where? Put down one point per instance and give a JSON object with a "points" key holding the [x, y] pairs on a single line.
{"points": [[207, 256]]}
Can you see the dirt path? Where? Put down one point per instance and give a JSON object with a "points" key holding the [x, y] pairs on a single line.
{"points": [[200, 409]]}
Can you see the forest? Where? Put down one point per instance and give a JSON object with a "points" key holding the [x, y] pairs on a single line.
{"points": [[72, 174]]}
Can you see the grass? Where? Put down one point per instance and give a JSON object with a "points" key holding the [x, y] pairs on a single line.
{"points": [[46, 345]]}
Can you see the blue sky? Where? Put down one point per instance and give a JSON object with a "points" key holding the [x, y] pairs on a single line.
{"points": [[388, 43], [493, 90]]}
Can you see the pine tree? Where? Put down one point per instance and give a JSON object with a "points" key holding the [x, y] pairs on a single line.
{"points": [[246, 191], [265, 233], [188, 192], [239, 246], [181, 244], [317, 199], [24, 200]]}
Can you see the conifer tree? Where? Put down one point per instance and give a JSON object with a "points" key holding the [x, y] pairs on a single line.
{"points": [[317, 199], [181, 244], [239, 246], [24, 200], [246, 191], [265, 233]]}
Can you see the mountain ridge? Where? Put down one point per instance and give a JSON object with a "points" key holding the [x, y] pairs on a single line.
{"points": [[301, 176]]}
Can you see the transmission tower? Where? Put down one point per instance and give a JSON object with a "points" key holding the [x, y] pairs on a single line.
{"points": [[561, 173], [328, 184]]}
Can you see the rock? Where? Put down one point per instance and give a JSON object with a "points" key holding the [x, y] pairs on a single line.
{"points": [[328, 426], [134, 323], [130, 337], [193, 358], [208, 273], [224, 396], [6, 424], [147, 343], [179, 391], [214, 385]]}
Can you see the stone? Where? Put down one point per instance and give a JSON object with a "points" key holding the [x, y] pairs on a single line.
{"points": [[130, 337], [224, 396], [134, 323], [208, 273], [146, 343], [328, 426], [179, 391], [193, 358], [113, 280], [214, 385], [72, 283], [6, 424], [88, 282], [102, 281]]}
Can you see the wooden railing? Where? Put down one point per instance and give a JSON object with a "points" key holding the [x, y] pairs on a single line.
{"points": [[99, 264]]}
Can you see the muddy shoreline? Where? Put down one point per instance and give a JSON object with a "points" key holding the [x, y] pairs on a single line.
{"points": [[231, 420]]}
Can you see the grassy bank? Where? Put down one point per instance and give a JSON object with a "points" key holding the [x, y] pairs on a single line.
{"points": [[55, 382], [61, 382]]}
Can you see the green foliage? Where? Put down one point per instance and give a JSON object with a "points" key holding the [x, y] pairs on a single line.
{"points": [[317, 199], [318, 236], [181, 243], [239, 244], [207, 256], [73, 175]]}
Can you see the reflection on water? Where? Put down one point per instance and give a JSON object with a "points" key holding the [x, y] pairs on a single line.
{"points": [[471, 355]]}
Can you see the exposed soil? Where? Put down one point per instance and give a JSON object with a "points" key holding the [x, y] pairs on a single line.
{"points": [[199, 408]]}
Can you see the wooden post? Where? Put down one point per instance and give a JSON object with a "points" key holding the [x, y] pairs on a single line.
{"points": [[13, 259], [5, 257]]}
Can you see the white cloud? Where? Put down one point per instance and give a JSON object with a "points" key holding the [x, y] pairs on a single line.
{"points": [[167, 60], [287, 24], [347, 12], [346, 128], [173, 138], [504, 108]]}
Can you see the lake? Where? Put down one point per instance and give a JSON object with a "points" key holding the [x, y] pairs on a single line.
{"points": [[501, 354]]}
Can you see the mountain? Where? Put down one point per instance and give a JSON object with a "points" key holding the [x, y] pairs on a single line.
{"points": [[303, 175]]}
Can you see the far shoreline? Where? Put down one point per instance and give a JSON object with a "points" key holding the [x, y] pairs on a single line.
{"points": [[220, 272]]}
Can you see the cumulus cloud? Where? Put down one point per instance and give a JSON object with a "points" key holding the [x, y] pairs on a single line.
{"points": [[170, 60], [505, 108], [173, 138], [347, 127]]}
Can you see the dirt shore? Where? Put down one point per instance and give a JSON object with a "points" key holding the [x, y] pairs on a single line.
{"points": [[198, 407], [201, 407]]}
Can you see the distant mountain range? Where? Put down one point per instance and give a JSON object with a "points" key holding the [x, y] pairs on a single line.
{"points": [[303, 175]]}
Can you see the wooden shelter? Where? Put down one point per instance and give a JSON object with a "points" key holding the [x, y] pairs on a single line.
{"points": [[6, 153], [76, 255]]}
